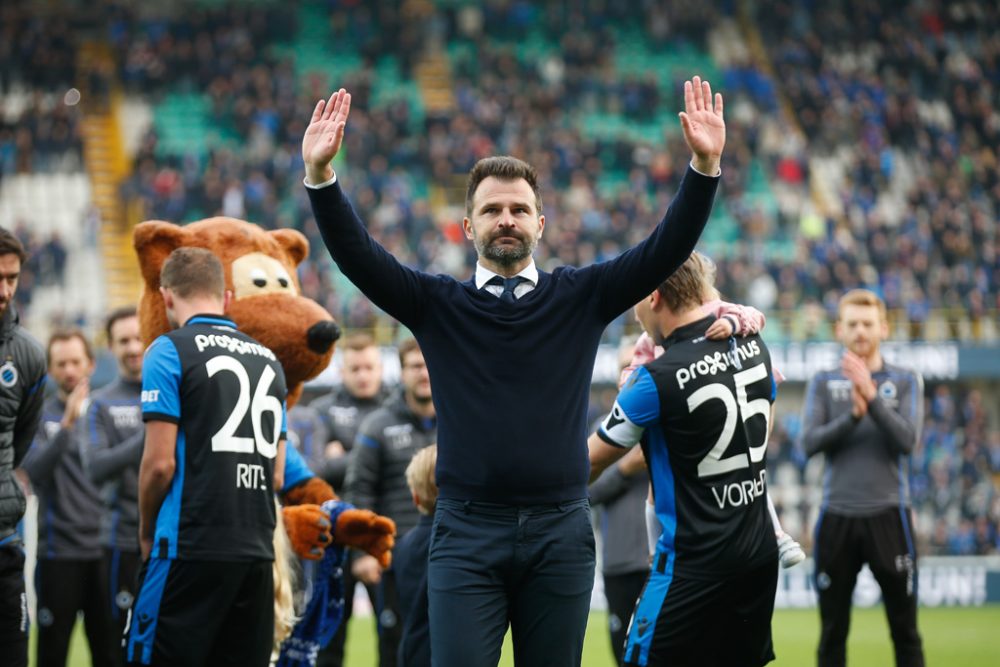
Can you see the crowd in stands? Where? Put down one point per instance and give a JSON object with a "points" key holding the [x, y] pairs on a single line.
{"points": [[903, 96], [894, 88]]}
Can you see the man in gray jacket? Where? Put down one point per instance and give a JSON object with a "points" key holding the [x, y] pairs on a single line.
{"points": [[376, 480], [112, 450], [69, 575], [22, 374], [865, 418]]}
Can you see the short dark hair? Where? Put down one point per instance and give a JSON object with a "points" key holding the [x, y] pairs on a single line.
{"points": [[122, 313], [504, 168], [62, 335], [11, 245], [193, 272], [405, 347]]}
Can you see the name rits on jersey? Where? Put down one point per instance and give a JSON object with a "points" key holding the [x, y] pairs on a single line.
{"points": [[713, 364]]}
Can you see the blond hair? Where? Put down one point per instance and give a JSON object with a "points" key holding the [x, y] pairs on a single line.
{"points": [[420, 478], [708, 271], [685, 288], [284, 582], [862, 297]]}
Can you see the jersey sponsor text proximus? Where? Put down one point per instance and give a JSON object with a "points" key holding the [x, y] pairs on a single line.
{"points": [[712, 364]]}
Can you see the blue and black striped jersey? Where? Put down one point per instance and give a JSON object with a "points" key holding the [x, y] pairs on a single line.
{"points": [[702, 411], [226, 393]]}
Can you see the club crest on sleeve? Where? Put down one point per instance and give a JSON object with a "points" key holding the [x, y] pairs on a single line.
{"points": [[8, 374]]}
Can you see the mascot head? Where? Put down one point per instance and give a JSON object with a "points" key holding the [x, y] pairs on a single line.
{"points": [[260, 271]]}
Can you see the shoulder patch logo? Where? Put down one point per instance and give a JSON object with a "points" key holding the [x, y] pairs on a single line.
{"points": [[8, 374], [887, 390]]}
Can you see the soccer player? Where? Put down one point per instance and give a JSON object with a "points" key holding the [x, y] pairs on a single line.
{"points": [[69, 575], [22, 375], [112, 450], [733, 319], [704, 407], [376, 480], [213, 403], [865, 418], [510, 355]]}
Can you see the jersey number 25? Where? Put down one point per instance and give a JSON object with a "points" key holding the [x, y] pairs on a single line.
{"points": [[736, 407]]}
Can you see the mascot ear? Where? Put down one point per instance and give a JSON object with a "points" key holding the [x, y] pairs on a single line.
{"points": [[154, 240], [293, 242]]}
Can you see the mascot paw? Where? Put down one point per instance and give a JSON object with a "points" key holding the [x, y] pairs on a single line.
{"points": [[367, 531], [313, 491], [308, 529]]}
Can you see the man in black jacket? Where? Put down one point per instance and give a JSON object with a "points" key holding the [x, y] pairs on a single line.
{"points": [[376, 480], [22, 372]]}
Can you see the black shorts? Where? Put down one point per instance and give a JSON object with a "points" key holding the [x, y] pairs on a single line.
{"points": [[202, 613], [705, 622]]}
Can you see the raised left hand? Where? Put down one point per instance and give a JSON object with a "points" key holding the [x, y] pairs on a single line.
{"points": [[703, 125]]}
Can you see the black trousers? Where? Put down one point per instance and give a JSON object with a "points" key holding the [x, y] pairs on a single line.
{"points": [[212, 613], [622, 592], [385, 603], [122, 568], [13, 606], [66, 587], [884, 541], [491, 565]]}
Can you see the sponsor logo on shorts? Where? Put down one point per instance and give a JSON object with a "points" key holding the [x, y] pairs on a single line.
{"points": [[45, 617], [822, 581]]}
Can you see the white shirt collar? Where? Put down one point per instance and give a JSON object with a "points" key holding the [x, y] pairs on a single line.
{"points": [[483, 274]]}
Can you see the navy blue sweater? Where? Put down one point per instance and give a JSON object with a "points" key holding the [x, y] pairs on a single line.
{"points": [[511, 381]]}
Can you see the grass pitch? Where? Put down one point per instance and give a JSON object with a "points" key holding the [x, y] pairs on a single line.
{"points": [[964, 637]]}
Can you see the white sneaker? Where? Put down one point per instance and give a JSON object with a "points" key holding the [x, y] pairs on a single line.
{"points": [[790, 552]]}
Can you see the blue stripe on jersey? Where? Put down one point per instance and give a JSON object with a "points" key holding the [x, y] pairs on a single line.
{"points": [[161, 379], [168, 520], [639, 399], [367, 441], [643, 627], [146, 612], [774, 389], [663, 488], [647, 611], [38, 385], [95, 408], [296, 470]]}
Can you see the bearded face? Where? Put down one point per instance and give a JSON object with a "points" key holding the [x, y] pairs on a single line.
{"points": [[504, 223]]}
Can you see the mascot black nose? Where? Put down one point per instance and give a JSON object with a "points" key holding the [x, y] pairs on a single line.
{"points": [[322, 335]]}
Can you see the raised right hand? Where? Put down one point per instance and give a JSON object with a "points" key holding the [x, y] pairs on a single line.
{"points": [[324, 136]]}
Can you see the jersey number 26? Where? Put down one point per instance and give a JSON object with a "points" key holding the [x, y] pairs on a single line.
{"points": [[225, 439]]}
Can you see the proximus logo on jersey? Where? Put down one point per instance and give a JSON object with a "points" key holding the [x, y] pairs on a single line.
{"points": [[737, 494], [712, 364], [232, 344]]}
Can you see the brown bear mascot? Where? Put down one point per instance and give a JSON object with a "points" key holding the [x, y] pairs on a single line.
{"points": [[266, 304]]}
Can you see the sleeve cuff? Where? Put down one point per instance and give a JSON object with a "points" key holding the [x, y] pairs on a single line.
{"points": [[321, 185], [690, 164]]}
